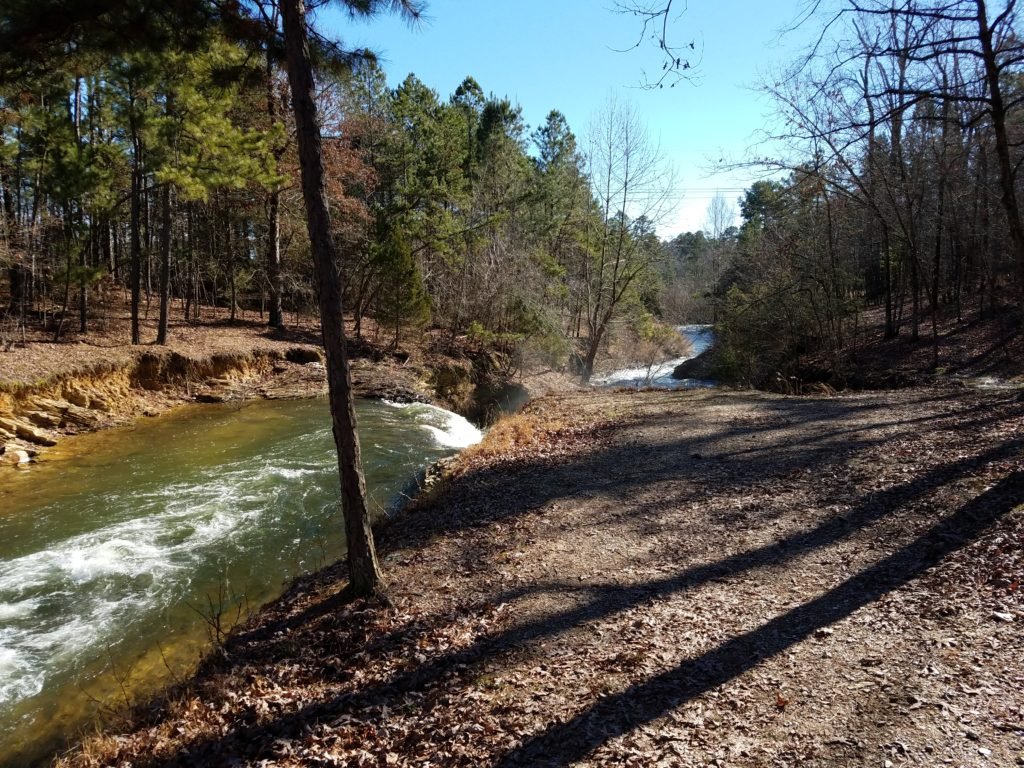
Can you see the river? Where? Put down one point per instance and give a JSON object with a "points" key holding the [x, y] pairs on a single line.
{"points": [[114, 555], [659, 375]]}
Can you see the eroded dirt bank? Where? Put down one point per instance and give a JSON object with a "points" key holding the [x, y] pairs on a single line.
{"points": [[45, 397], [687, 578], [36, 415]]}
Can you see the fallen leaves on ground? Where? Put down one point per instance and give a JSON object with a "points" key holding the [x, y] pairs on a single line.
{"points": [[657, 579]]}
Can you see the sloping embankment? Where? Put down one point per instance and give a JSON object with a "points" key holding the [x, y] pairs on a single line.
{"points": [[36, 415], [87, 397]]}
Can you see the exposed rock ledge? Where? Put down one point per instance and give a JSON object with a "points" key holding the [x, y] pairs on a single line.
{"points": [[698, 367]]}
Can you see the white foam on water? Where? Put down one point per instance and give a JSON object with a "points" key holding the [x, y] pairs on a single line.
{"points": [[17, 610], [113, 557], [290, 474], [66, 603], [14, 684], [449, 430], [659, 374], [458, 432]]}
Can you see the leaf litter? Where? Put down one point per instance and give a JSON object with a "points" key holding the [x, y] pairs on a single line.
{"points": [[655, 579]]}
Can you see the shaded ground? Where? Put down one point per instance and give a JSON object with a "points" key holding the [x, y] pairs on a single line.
{"points": [[978, 349], [684, 578]]}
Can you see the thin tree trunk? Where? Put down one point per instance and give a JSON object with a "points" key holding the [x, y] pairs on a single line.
{"points": [[1007, 170], [274, 260], [940, 223], [136, 242], [890, 314], [364, 570], [274, 276], [985, 227], [83, 287], [915, 297], [936, 267], [116, 252], [67, 295], [165, 265]]}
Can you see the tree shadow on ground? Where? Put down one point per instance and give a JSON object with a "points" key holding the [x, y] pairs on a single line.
{"points": [[484, 498], [645, 700], [622, 469]]}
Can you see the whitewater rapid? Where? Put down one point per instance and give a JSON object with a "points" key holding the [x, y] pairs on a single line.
{"points": [[659, 375], [109, 555]]}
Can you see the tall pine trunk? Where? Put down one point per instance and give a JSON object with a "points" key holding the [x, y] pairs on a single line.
{"points": [[364, 570], [83, 286], [135, 248], [274, 276], [165, 265]]}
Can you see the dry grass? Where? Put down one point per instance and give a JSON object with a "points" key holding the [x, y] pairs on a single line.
{"points": [[544, 429], [514, 434]]}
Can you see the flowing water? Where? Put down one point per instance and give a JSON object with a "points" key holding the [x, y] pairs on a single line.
{"points": [[114, 559], [659, 375]]}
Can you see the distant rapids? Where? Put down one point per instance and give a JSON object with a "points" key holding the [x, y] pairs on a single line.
{"points": [[659, 375], [113, 558]]}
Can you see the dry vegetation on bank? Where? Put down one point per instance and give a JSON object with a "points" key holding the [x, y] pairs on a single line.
{"points": [[691, 578]]}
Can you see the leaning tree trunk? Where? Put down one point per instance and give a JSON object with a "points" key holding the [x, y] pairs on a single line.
{"points": [[364, 570], [593, 346]]}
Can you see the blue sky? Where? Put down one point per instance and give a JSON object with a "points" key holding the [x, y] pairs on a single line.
{"points": [[560, 54]]}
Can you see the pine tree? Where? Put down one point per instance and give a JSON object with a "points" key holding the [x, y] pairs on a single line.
{"points": [[403, 300], [364, 570]]}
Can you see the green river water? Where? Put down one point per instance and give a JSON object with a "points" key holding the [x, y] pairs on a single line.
{"points": [[112, 553]]}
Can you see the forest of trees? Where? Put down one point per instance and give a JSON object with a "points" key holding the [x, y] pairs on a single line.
{"points": [[896, 188], [173, 176]]}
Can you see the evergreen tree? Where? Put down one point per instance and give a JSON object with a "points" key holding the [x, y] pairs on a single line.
{"points": [[364, 569], [403, 300]]}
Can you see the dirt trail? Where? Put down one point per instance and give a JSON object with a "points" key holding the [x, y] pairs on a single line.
{"points": [[678, 579]]}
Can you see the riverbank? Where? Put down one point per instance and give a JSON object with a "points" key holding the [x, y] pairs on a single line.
{"points": [[675, 578], [49, 391]]}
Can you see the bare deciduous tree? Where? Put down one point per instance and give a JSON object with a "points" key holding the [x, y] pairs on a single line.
{"points": [[630, 188]]}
